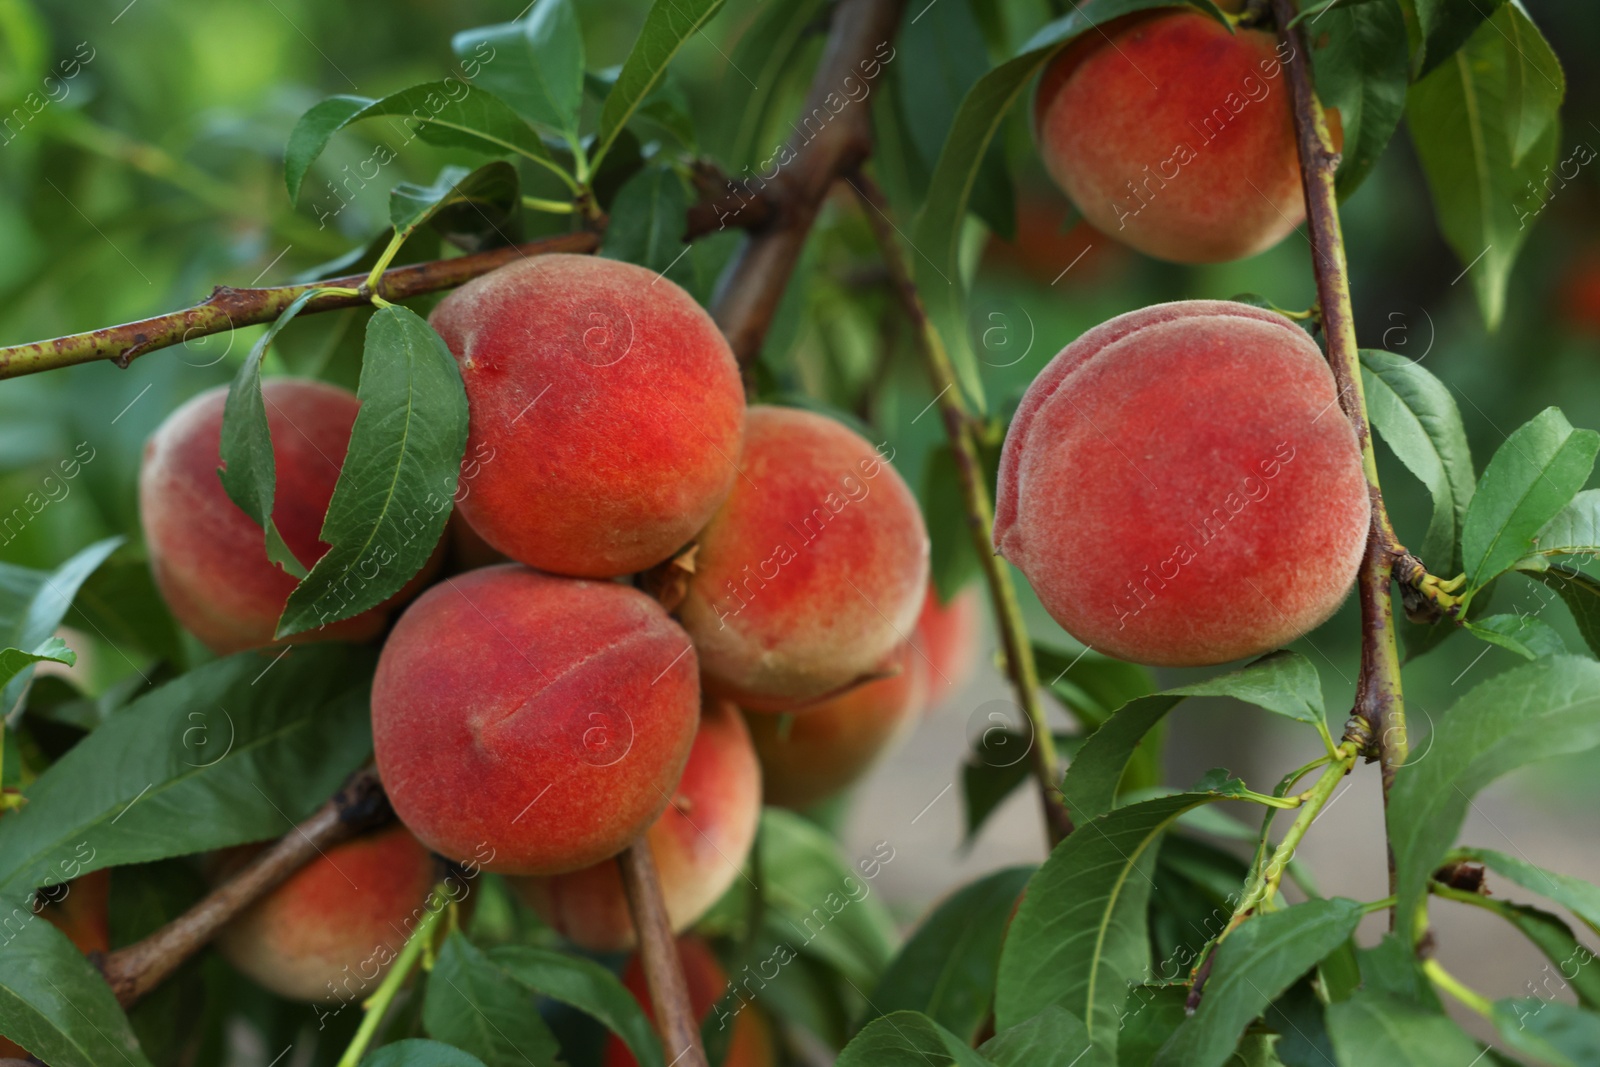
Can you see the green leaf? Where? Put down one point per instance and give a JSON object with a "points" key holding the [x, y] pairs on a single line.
{"points": [[450, 113], [1363, 68], [1446, 25], [667, 26], [1372, 1028], [1053, 1038], [947, 969], [55, 1004], [1547, 708], [952, 559], [471, 209], [1553, 937], [907, 1039], [414, 1052], [13, 661], [1581, 594], [1469, 119], [237, 750], [1417, 418], [804, 880], [1574, 530], [33, 604], [768, 51], [1558, 1034], [477, 1007], [1152, 1014], [584, 985], [1282, 682], [1079, 939], [648, 220], [398, 482], [1532, 477], [1091, 684], [1577, 896], [249, 472], [1527, 635], [1253, 966], [995, 767], [535, 64]]}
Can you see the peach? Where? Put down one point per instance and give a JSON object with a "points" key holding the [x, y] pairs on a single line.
{"points": [[533, 724], [751, 1044], [1181, 486], [815, 753], [210, 558], [329, 932], [1175, 136], [947, 637], [811, 572], [699, 843], [606, 412]]}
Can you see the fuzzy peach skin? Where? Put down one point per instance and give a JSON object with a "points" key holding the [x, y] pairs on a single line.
{"points": [[1174, 136], [947, 637], [751, 1044], [606, 412], [1181, 487], [700, 844], [210, 558], [533, 724], [330, 931], [812, 571], [815, 753]]}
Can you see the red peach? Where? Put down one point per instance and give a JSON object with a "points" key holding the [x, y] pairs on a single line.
{"points": [[751, 1044], [812, 571], [606, 412], [947, 637], [330, 931], [210, 558], [1174, 135], [533, 724], [1181, 487], [815, 753], [700, 844]]}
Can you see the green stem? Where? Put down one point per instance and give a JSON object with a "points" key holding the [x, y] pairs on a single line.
{"points": [[377, 1005], [375, 275], [1456, 988], [554, 207]]}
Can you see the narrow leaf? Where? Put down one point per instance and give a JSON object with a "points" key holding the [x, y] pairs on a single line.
{"points": [[1577, 896], [13, 661], [1446, 25], [55, 1004], [1553, 937], [584, 985], [1362, 68], [1372, 1028], [1527, 635], [667, 26], [907, 1039], [480, 208], [398, 481], [415, 1052], [33, 605], [1581, 594], [647, 225], [1575, 529], [1556, 1033], [479, 1008], [1053, 1038], [535, 64]]}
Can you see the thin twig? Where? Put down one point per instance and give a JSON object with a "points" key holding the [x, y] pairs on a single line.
{"points": [[831, 139], [134, 971], [658, 954], [1378, 693], [979, 513], [228, 308]]}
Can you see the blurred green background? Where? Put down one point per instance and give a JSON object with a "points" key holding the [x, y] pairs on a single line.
{"points": [[154, 172]]}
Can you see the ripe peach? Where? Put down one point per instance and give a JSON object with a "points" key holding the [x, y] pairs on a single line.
{"points": [[330, 931], [1181, 487], [751, 1044], [812, 571], [533, 724], [821, 750], [1174, 135], [947, 637], [606, 412], [210, 558], [699, 844]]}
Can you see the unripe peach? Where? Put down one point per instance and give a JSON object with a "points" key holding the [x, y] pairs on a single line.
{"points": [[815, 753], [812, 571], [533, 724], [606, 412], [1174, 135], [1181, 486], [700, 844], [751, 1044], [947, 637], [330, 931], [208, 556]]}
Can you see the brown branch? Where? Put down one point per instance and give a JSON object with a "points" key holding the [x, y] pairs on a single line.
{"points": [[832, 138], [979, 508], [725, 202], [658, 954], [135, 970], [228, 308], [1378, 693]]}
